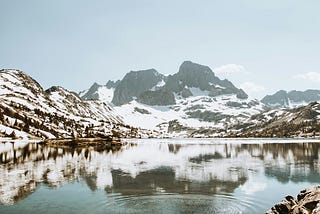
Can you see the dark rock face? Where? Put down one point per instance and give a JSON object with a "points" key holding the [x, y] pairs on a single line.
{"points": [[199, 76], [141, 111], [134, 83], [241, 94], [186, 93], [112, 84], [159, 97], [283, 98], [307, 202], [207, 116], [91, 94], [191, 75]]}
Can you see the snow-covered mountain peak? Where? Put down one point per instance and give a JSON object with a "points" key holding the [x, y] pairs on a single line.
{"points": [[192, 99]]}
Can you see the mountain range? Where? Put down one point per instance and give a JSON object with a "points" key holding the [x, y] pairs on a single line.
{"points": [[193, 102], [291, 99]]}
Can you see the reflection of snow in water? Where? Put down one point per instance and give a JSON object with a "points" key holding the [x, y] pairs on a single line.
{"points": [[250, 188], [24, 166]]}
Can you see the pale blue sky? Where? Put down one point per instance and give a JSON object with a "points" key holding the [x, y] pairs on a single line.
{"points": [[273, 44]]}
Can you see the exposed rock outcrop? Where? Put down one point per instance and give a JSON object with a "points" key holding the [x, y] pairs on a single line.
{"points": [[193, 75], [159, 97], [134, 83], [306, 202]]}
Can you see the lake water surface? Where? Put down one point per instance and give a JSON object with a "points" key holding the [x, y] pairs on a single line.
{"points": [[156, 176]]}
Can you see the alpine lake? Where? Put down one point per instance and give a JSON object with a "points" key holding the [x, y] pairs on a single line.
{"points": [[156, 176]]}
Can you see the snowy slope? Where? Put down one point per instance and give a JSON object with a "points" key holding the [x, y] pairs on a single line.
{"points": [[29, 111], [298, 122], [190, 114], [98, 92]]}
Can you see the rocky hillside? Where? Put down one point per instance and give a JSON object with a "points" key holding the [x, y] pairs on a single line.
{"points": [[292, 99], [298, 122], [29, 111]]}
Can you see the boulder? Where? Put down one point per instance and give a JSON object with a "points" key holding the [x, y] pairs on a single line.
{"points": [[307, 202]]}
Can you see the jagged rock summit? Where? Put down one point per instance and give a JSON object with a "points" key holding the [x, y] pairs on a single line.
{"points": [[192, 75], [134, 84], [191, 102], [152, 88]]}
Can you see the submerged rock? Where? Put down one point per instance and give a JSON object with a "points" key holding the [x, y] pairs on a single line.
{"points": [[306, 202]]}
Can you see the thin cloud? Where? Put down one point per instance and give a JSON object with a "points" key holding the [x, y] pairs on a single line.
{"points": [[310, 76], [229, 69], [251, 87]]}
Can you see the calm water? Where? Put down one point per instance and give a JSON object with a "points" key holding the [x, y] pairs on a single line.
{"points": [[156, 176]]}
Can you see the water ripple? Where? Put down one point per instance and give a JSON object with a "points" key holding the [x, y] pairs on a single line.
{"points": [[179, 203]]}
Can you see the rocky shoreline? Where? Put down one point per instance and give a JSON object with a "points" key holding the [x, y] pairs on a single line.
{"points": [[306, 202], [85, 142]]}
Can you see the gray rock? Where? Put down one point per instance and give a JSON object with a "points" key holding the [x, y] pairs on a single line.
{"points": [[307, 202], [199, 76], [135, 83], [159, 97], [186, 93], [112, 84], [283, 98], [241, 94], [92, 92]]}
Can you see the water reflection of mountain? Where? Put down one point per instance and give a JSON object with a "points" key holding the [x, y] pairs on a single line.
{"points": [[288, 162], [163, 179], [24, 166], [151, 168]]}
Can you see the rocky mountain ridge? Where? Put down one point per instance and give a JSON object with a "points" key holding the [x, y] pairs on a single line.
{"points": [[291, 99], [303, 121], [29, 111], [147, 86], [192, 99]]}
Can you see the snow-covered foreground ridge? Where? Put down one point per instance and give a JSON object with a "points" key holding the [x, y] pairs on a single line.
{"points": [[29, 111]]}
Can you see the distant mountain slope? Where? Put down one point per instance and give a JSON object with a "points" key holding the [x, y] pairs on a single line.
{"points": [[291, 99], [28, 111], [100, 92], [298, 122]]}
